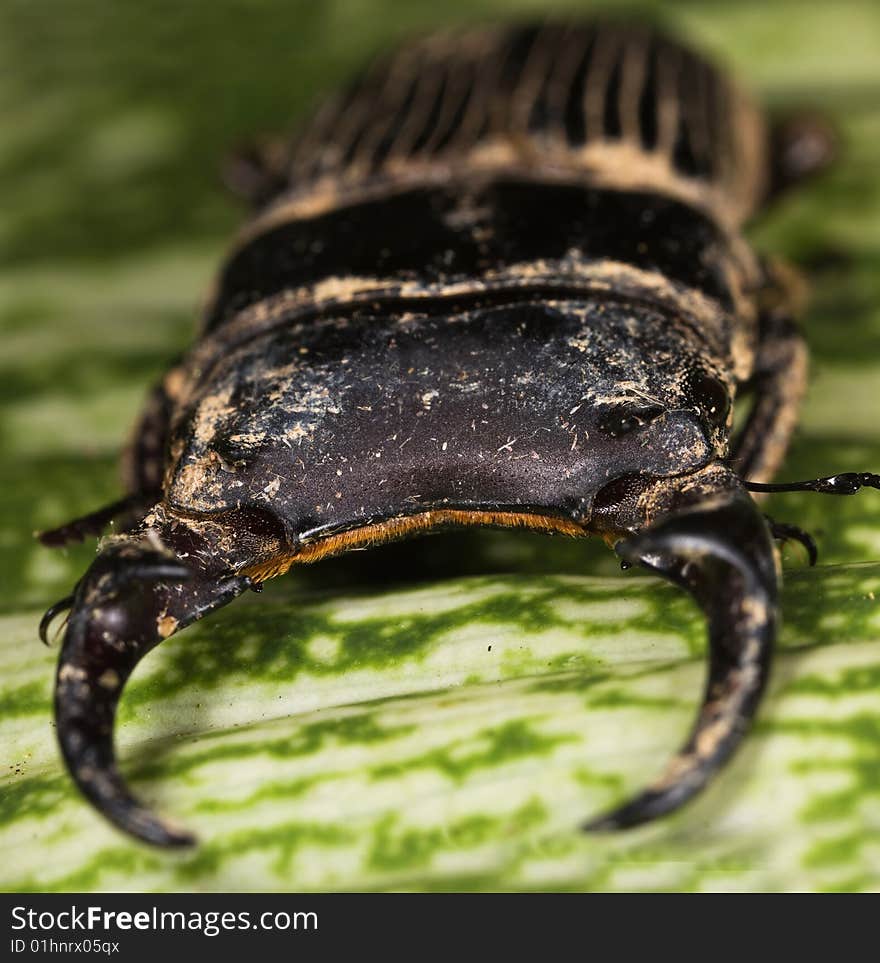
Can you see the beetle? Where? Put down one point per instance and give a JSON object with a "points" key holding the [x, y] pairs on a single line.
{"points": [[500, 280]]}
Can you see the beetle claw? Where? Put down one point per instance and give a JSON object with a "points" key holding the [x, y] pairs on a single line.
{"points": [[723, 555], [127, 603], [62, 605], [783, 532]]}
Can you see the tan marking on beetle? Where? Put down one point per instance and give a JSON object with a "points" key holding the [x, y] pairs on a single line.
{"points": [[368, 536], [166, 625], [70, 673], [109, 679], [617, 166], [596, 276]]}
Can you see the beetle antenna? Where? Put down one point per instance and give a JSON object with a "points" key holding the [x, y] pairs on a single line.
{"points": [[847, 483], [723, 555]]}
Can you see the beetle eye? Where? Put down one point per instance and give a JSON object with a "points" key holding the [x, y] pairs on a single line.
{"points": [[710, 395], [626, 418]]}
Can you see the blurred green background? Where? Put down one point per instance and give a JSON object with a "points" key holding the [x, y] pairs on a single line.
{"points": [[352, 727]]}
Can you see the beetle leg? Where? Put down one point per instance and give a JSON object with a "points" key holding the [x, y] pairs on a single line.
{"points": [[779, 382], [802, 145], [723, 555], [256, 172], [143, 466], [783, 532], [143, 461], [95, 522], [133, 597]]}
